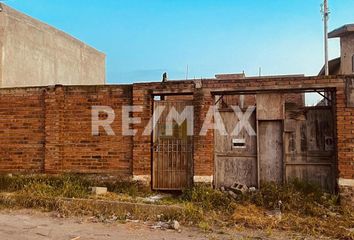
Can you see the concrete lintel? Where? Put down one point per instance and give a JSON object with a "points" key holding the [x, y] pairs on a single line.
{"points": [[346, 182], [276, 88], [203, 179], [142, 178]]}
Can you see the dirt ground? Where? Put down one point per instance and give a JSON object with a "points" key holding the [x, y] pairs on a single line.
{"points": [[35, 225]]}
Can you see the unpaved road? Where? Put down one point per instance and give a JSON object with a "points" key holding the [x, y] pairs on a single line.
{"points": [[34, 225]]}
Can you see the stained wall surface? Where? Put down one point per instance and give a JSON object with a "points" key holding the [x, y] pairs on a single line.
{"points": [[33, 53]]}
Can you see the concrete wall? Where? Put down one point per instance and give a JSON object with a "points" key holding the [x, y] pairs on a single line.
{"points": [[347, 53], [35, 54]]}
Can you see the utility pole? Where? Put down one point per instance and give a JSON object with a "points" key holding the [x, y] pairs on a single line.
{"points": [[187, 72], [325, 13]]}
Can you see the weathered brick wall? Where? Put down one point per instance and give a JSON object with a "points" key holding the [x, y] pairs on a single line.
{"points": [[49, 130], [22, 134], [142, 143], [345, 143], [203, 144], [345, 136], [53, 118], [84, 152]]}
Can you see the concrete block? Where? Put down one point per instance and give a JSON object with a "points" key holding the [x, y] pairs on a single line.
{"points": [[99, 190]]}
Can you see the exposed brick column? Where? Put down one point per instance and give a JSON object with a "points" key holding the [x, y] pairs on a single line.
{"points": [[54, 118], [142, 144], [345, 139], [203, 145]]}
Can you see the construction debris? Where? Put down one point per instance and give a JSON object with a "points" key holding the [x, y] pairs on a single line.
{"points": [[232, 194], [167, 225], [239, 188], [175, 225], [99, 190], [155, 198]]}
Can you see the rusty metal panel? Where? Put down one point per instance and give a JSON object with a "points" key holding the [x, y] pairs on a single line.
{"points": [[270, 106], [172, 155], [270, 151]]}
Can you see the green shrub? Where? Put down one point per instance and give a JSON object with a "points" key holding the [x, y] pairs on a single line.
{"points": [[207, 198]]}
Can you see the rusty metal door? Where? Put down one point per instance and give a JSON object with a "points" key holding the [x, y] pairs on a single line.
{"points": [[172, 154]]}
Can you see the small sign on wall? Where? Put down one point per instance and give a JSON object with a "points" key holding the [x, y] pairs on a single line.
{"points": [[238, 143]]}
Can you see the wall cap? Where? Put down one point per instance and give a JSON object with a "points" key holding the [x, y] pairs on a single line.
{"points": [[203, 179], [142, 178], [346, 182]]}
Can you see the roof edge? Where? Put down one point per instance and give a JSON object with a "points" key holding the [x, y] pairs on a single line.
{"points": [[342, 31]]}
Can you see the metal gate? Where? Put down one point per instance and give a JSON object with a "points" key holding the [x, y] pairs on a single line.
{"points": [[172, 154]]}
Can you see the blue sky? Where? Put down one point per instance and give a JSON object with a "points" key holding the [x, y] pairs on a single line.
{"points": [[144, 38]]}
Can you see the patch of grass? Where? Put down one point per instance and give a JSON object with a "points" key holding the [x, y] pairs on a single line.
{"points": [[192, 213], [131, 188], [46, 186], [251, 216], [204, 226], [295, 196], [304, 207], [69, 185], [66, 189], [339, 227], [207, 198]]}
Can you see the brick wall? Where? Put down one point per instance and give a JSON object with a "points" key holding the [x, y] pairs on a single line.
{"points": [[142, 144], [345, 135], [49, 130], [203, 145], [86, 153], [53, 118], [22, 135]]}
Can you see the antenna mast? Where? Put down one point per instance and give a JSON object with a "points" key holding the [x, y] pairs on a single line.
{"points": [[325, 13]]}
